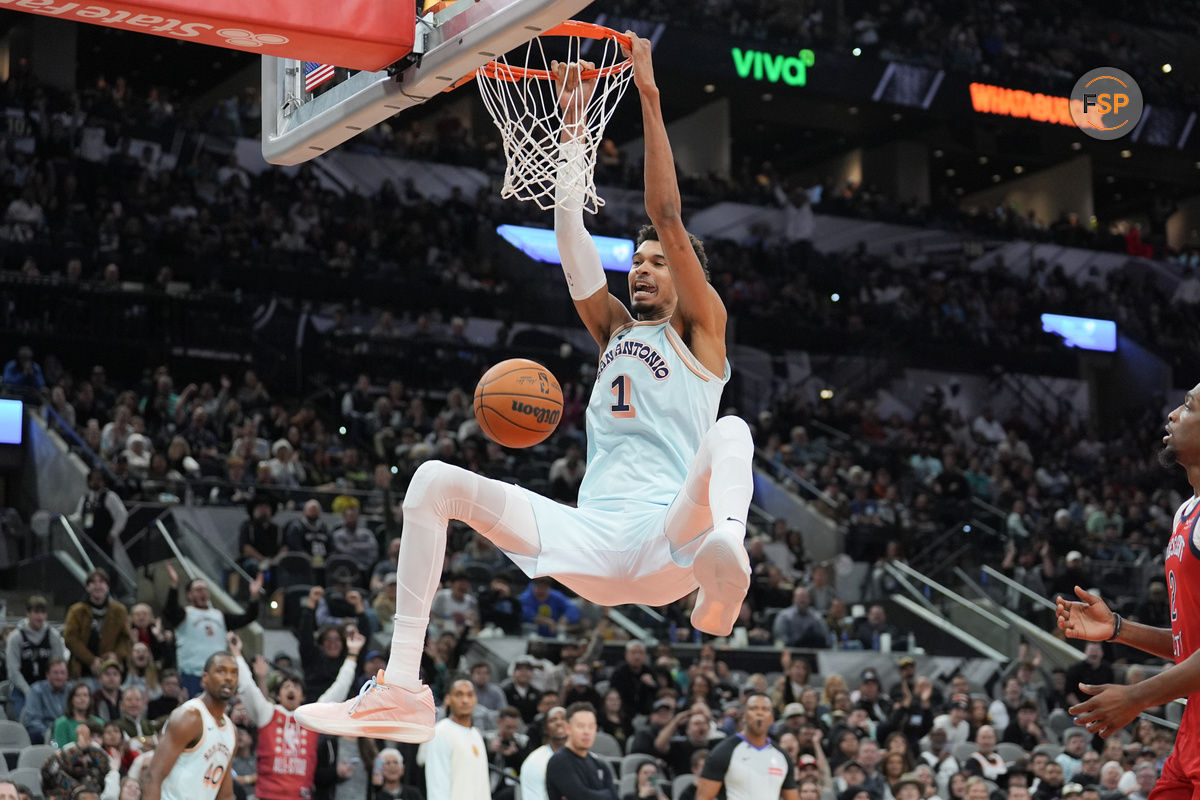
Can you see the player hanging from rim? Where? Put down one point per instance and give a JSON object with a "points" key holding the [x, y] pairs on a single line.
{"points": [[192, 759], [663, 504], [1112, 706]]}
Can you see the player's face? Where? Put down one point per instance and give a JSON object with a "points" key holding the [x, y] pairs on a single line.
{"points": [[556, 724], [461, 699], [651, 290], [221, 678], [1182, 440]]}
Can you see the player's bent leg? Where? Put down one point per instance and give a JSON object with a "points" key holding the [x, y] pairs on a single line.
{"points": [[395, 705], [716, 494]]}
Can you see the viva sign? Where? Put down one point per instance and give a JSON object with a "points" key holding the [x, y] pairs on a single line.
{"points": [[792, 70]]}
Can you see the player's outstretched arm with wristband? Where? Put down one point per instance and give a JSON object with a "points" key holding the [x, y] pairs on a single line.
{"points": [[600, 311], [1113, 706]]}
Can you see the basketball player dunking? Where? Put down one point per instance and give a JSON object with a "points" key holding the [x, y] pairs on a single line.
{"points": [[1113, 706], [662, 508], [192, 759]]}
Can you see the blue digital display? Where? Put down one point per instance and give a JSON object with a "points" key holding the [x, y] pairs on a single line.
{"points": [[11, 417], [540, 245], [1083, 332]]}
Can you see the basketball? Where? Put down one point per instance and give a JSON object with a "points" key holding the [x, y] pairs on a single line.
{"points": [[518, 403]]}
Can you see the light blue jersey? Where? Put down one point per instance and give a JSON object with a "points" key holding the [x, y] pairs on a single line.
{"points": [[651, 407], [652, 404]]}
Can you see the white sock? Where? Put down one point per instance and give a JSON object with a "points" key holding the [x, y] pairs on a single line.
{"points": [[408, 643]]}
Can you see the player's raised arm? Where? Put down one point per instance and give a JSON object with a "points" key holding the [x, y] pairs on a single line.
{"points": [[600, 311], [699, 304]]}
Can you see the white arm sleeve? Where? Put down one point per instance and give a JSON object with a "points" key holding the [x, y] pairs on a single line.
{"points": [[580, 258], [260, 708]]}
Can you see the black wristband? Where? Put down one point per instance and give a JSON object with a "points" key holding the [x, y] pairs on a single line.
{"points": [[1116, 627]]}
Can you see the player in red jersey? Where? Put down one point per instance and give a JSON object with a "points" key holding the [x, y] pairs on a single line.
{"points": [[1111, 707]]}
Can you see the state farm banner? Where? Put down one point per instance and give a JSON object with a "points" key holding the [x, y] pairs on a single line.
{"points": [[359, 34]]}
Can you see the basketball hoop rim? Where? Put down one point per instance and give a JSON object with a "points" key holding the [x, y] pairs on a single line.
{"points": [[587, 30]]}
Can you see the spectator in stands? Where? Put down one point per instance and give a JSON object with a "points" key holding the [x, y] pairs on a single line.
{"points": [[80, 770], [285, 466], [454, 608], [635, 680], [199, 628], [76, 713], [507, 745], [133, 720], [1090, 764], [145, 629], [354, 539], [676, 749], [323, 651], [662, 714], [547, 609], [566, 474], [499, 607], [172, 694], [1093, 670], [869, 698], [1005, 707], [487, 694], [875, 627], [29, 650], [23, 372], [519, 691], [47, 701], [985, 761], [386, 785], [309, 534], [9, 791], [106, 700], [100, 514], [237, 488], [799, 625], [95, 628], [1023, 727], [533, 769], [954, 721], [1075, 741], [793, 683], [260, 541]]}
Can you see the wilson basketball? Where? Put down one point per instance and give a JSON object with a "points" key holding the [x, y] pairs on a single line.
{"points": [[518, 402]]}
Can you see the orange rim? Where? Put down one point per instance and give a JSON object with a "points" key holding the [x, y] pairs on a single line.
{"points": [[585, 30]]}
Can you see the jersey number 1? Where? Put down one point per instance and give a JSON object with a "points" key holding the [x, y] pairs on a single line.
{"points": [[622, 388]]}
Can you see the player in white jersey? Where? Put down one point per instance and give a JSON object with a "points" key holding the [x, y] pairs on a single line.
{"points": [[195, 748], [663, 504]]}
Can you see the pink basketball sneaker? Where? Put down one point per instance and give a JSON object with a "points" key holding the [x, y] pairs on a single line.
{"points": [[722, 569], [380, 712]]}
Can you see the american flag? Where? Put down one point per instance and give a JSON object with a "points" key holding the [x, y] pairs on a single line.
{"points": [[315, 74]]}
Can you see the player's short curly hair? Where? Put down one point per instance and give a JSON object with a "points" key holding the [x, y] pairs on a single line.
{"points": [[648, 233]]}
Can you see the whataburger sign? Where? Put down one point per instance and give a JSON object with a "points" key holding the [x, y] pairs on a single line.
{"points": [[363, 34], [1020, 104]]}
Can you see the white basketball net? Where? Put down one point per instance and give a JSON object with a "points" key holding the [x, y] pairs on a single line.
{"points": [[530, 120]]}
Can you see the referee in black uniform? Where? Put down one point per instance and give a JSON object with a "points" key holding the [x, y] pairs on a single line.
{"points": [[573, 773], [749, 765]]}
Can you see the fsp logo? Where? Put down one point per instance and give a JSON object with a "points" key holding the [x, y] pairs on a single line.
{"points": [[1106, 103], [243, 38]]}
